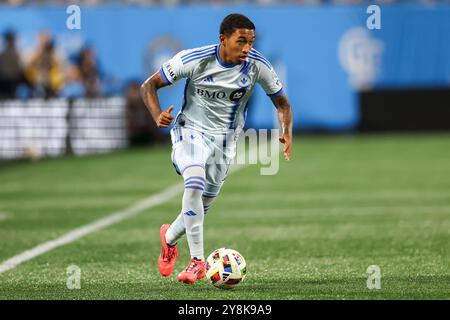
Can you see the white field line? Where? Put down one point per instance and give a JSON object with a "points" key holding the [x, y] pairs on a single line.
{"points": [[102, 223], [111, 219]]}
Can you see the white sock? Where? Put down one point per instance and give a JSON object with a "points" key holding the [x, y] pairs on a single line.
{"points": [[192, 209], [207, 201], [177, 229]]}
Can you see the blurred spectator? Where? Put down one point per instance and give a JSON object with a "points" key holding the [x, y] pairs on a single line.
{"points": [[140, 125], [73, 87], [11, 70], [44, 72], [89, 73]]}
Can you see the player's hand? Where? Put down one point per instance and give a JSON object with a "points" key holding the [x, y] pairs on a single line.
{"points": [[165, 118], [287, 141]]}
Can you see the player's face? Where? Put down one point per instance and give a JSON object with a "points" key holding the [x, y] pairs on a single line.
{"points": [[238, 45]]}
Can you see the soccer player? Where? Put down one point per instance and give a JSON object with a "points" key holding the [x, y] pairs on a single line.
{"points": [[220, 79]]}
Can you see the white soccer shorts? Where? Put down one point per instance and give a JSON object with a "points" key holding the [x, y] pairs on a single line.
{"points": [[213, 152]]}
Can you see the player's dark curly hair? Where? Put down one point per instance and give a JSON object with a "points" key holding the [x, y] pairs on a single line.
{"points": [[235, 21]]}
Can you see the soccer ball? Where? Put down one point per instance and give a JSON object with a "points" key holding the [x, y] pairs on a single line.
{"points": [[225, 268]]}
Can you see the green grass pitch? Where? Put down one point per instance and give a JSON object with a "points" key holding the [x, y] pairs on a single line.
{"points": [[341, 204]]}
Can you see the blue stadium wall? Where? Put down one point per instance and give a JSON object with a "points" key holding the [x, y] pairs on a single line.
{"points": [[325, 55]]}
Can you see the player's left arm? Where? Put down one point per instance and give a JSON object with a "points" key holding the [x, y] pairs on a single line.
{"points": [[284, 111], [268, 79]]}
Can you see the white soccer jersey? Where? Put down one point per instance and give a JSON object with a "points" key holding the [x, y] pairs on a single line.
{"points": [[216, 93]]}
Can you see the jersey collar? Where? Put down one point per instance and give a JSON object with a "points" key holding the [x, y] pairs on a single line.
{"points": [[221, 62]]}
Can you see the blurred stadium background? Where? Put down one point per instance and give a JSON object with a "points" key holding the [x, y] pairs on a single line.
{"points": [[369, 182]]}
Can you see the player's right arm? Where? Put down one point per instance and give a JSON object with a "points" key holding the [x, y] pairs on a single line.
{"points": [[180, 66], [150, 97]]}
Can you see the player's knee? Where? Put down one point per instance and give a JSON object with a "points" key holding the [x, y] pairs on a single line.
{"points": [[195, 170], [194, 181]]}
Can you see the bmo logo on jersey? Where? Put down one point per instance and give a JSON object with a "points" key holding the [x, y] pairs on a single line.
{"points": [[237, 94], [234, 96], [210, 95]]}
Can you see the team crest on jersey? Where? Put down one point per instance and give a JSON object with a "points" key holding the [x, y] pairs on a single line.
{"points": [[244, 81], [237, 94]]}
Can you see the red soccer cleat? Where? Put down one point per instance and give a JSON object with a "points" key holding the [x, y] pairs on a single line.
{"points": [[195, 270], [168, 254]]}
